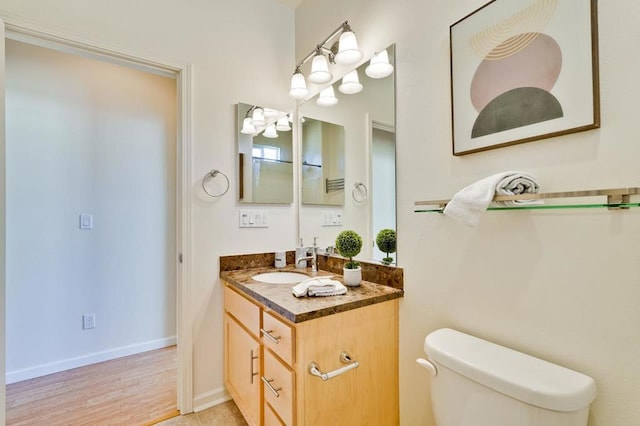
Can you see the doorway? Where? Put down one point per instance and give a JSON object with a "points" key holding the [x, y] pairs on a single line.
{"points": [[383, 181], [180, 74]]}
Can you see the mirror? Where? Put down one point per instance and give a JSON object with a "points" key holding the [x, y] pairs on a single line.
{"points": [[367, 120], [322, 163], [265, 155]]}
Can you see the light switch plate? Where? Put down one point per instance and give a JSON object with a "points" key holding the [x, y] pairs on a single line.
{"points": [[254, 219]]}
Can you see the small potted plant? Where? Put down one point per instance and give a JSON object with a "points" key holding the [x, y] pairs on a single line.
{"points": [[348, 244], [386, 241]]}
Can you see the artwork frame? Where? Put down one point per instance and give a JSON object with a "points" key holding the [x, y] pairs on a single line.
{"points": [[523, 71]]}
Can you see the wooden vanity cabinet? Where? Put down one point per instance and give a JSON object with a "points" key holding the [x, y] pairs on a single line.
{"points": [[242, 355], [289, 394]]}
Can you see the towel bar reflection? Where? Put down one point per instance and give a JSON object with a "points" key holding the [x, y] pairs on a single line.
{"points": [[212, 174], [345, 358]]}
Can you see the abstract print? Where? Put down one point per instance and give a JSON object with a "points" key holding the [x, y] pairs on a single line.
{"points": [[520, 65]]}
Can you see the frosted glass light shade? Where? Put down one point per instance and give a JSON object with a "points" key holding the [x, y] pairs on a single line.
{"points": [[257, 118], [247, 127], [350, 83], [327, 97], [319, 70], [282, 125], [270, 113], [348, 52], [270, 131], [379, 66], [298, 86]]}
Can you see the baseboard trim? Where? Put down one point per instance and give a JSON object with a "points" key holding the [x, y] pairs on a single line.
{"points": [[209, 399], [91, 358]]}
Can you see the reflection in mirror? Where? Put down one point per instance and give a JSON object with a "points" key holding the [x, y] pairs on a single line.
{"points": [[368, 120], [265, 155], [322, 163]]}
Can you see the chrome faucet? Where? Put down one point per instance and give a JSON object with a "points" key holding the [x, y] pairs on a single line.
{"points": [[310, 253]]}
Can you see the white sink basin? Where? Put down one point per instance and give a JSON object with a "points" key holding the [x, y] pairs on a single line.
{"points": [[280, 277]]}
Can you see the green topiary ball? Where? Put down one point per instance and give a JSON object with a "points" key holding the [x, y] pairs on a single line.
{"points": [[348, 244], [386, 241]]}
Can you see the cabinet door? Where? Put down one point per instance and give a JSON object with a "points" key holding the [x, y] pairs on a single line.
{"points": [[366, 395], [242, 370]]}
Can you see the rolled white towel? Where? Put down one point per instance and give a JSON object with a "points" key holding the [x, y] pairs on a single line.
{"points": [[318, 286], [517, 183], [471, 201]]}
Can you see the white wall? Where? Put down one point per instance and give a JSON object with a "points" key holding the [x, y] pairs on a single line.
{"points": [[85, 136], [239, 51], [559, 285]]}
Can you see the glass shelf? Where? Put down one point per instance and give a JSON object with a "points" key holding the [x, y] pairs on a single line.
{"points": [[616, 199], [612, 206]]}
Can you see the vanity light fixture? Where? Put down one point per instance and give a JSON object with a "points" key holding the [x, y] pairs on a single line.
{"points": [[270, 113], [257, 119], [270, 132], [350, 83], [320, 69], [348, 52], [344, 52], [298, 85], [379, 66], [247, 127], [282, 125], [271, 121], [327, 97]]}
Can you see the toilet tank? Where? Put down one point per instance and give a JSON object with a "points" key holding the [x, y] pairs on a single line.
{"points": [[479, 383]]}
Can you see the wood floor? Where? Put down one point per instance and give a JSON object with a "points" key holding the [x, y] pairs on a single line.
{"points": [[133, 390]]}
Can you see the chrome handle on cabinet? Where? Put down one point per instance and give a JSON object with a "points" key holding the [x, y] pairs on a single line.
{"points": [[345, 358], [252, 358], [267, 333], [271, 388]]}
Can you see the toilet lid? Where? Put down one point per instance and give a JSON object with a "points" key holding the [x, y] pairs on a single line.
{"points": [[521, 376]]}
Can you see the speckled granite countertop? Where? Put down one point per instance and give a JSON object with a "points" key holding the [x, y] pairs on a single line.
{"points": [[278, 297]]}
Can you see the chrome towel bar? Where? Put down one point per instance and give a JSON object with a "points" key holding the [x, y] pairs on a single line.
{"points": [[345, 358]]}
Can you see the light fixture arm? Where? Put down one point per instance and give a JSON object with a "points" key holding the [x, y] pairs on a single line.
{"points": [[250, 111], [321, 46]]}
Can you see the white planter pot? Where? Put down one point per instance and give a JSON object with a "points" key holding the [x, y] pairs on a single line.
{"points": [[352, 277]]}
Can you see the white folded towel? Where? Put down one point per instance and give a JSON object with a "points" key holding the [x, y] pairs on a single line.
{"points": [[319, 286], [470, 202]]}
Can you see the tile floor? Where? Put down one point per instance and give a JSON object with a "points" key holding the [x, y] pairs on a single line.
{"points": [[225, 414]]}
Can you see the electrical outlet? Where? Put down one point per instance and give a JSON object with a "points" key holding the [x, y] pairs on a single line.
{"points": [[88, 321]]}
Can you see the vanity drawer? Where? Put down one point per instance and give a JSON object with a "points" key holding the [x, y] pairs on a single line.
{"points": [[246, 312], [270, 417], [278, 336], [279, 387]]}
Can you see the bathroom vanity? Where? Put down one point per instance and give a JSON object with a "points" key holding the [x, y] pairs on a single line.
{"points": [[311, 361]]}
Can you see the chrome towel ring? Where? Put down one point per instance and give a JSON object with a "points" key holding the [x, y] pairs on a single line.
{"points": [[212, 174], [359, 192]]}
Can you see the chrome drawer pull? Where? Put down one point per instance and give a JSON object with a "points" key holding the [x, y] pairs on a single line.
{"points": [[251, 367], [267, 333], [271, 388], [345, 358]]}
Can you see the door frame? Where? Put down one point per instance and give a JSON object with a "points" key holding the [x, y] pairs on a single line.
{"points": [[28, 32]]}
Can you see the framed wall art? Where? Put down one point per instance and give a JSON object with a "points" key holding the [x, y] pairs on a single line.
{"points": [[523, 70]]}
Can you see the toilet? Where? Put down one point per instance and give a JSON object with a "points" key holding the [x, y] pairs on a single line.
{"points": [[479, 383]]}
